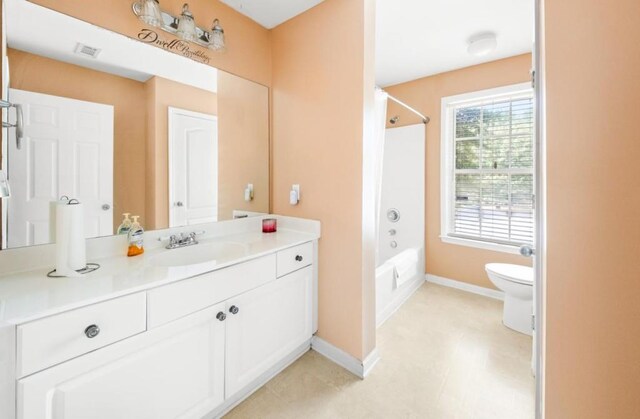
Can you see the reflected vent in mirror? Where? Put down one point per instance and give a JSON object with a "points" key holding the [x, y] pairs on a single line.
{"points": [[87, 51]]}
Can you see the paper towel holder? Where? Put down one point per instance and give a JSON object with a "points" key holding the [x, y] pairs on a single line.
{"points": [[87, 269]]}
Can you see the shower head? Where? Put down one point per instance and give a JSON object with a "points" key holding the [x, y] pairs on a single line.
{"points": [[394, 119]]}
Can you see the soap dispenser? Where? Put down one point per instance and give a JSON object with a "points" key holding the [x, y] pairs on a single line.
{"points": [[125, 226], [135, 238]]}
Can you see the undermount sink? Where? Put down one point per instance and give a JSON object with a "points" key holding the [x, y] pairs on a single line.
{"points": [[198, 254]]}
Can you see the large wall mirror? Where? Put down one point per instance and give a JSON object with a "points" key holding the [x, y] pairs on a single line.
{"points": [[124, 127]]}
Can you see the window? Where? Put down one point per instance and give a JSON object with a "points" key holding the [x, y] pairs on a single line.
{"points": [[487, 164]]}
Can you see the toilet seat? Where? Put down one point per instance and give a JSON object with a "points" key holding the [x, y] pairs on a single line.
{"points": [[514, 273]]}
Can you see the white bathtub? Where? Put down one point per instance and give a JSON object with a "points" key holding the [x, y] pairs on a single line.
{"points": [[389, 297]]}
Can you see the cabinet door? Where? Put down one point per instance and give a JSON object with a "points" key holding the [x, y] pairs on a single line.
{"points": [[271, 321], [174, 371]]}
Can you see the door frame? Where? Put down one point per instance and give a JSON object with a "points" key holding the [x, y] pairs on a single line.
{"points": [[539, 261], [171, 113]]}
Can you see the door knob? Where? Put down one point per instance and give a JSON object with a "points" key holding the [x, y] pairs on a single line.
{"points": [[106, 207], [179, 204], [527, 251], [234, 310], [92, 331], [221, 316]]}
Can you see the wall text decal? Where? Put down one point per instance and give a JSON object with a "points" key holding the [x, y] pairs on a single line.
{"points": [[175, 45]]}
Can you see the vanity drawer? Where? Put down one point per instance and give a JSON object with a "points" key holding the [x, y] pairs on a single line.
{"points": [[49, 341], [294, 258], [182, 298]]}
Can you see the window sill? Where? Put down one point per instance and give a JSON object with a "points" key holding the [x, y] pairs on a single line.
{"points": [[515, 250]]}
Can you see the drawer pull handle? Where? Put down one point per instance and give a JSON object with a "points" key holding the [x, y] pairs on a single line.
{"points": [[234, 310], [221, 316], [92, 331], [299, 258]]}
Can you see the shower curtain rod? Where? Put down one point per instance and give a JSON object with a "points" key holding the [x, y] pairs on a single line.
{"points": [[425, 119]]}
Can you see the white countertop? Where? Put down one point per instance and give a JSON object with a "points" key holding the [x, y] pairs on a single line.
{"points": [[26, 296]]}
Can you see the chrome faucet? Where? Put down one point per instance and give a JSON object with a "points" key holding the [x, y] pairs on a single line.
{"points": [[182, 240]]}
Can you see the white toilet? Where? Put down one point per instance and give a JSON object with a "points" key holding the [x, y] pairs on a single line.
{"points": [[517, 283]]}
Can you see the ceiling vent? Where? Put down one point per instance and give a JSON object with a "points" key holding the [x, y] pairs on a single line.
{"points": [[87, 51]]}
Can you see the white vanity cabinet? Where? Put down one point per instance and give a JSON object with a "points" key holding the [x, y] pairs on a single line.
{"points": [[269, 322], [189, 361], [175, 371]]}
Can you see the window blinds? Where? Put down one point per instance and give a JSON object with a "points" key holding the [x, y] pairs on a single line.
{"points": [[493, 170]]}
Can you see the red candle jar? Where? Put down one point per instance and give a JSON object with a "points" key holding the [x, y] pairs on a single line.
{"points": [[269, 225]]}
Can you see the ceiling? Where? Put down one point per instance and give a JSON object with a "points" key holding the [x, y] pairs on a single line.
{"points": [[418, 38], [271, 13]]}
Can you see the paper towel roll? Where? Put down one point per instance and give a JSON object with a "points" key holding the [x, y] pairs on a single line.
{"points": [[70, 241], [52, 217]]}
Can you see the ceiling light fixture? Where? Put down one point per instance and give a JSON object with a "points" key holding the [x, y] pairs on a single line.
{"points": [[482, 44]]}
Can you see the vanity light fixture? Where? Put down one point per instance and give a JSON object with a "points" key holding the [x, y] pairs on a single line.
{"points": [[183, 26], [216, 37], [186, 25], [149, 12]]}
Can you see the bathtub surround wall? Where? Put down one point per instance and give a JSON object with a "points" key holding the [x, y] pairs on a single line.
{"points": [[401, 243], [450, 261], [322, 62], [593, 197]]}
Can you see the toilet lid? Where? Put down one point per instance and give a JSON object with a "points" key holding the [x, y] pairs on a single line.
{"points": [[510, 272]]}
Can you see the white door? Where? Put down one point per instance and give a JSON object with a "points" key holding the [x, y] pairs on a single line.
{"points": [[271, 322], [67, 149], [174, 371], [193, 168]]}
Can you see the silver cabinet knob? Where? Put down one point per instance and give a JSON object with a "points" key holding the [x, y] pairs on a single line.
{"points": [[179, 204], [92, 331], [299, 258], [106, 207], [234, 310], [527, 251], [221, 316]]}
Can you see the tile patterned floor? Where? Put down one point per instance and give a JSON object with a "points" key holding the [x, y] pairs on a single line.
{"points": [[445, 354]]}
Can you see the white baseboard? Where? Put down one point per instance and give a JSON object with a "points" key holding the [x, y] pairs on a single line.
{"points": [[398, 301], [465, 286], [347, 361]]}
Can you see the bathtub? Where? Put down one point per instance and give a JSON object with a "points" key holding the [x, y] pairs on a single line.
{"points": [[390, 296]]}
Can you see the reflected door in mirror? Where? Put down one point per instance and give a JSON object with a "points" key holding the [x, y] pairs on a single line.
{"points": [[193, 167], [68, 150]]}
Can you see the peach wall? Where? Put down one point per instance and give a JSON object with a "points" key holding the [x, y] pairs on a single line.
{"points": [[318, 109], [593, 209], [43, 75], [248, 51], [243, 148], [461, 263], [162, 94]]}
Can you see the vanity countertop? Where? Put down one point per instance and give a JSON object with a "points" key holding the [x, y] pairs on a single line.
{"points": [[30, 295]]}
